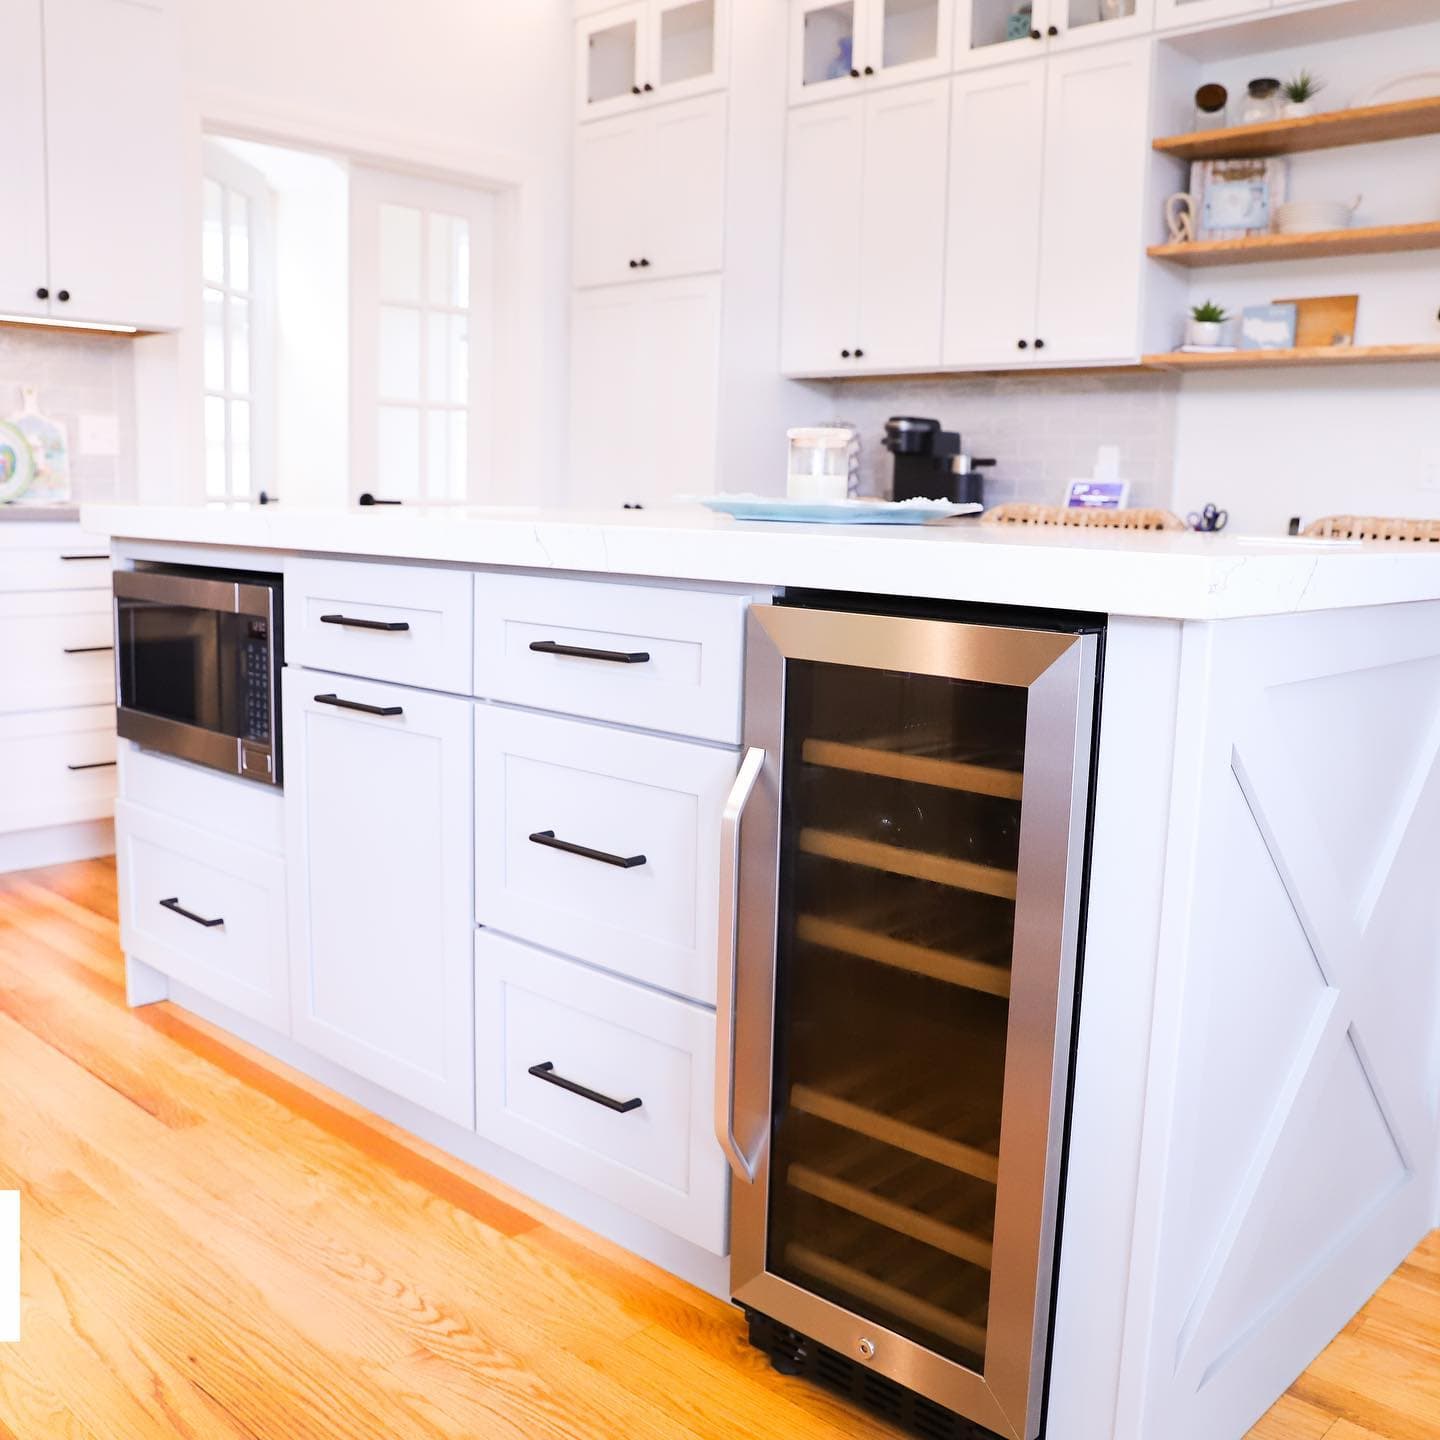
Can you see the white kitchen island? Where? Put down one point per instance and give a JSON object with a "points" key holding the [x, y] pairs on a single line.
{"points": [[1254, 1129]]}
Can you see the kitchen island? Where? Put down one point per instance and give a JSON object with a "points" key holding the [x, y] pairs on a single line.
{"points": [[1253, 1123]]}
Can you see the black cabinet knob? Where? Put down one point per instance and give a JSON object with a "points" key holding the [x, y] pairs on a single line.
{"points": [[1053, 31], [1039, 344], [634, 264], [634, 89], [648, 87], [869, 69], [644, 264], [844, 354], [42, 293], [854, 74], [63, 296], [1022, 344], [1035, 35], [859, 354]]}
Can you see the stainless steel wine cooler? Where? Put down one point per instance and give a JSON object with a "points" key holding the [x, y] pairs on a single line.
{"points": [[905, 849]]}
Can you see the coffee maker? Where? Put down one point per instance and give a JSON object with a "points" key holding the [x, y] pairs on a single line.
{"points": [[929, 463]]}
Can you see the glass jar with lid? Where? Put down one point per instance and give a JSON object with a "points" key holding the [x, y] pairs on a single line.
{"points": [[823, 461], [1263, 102]]}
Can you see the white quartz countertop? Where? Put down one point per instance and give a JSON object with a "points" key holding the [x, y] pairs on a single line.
{"points": [[1168, 576]]}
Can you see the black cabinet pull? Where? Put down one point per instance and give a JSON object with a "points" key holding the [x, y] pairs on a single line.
{"points": [[583, 652], [389, 626], [634, 89], [623, 862], [42, 293], [63, 296], [648, 87], [644, 263], [1053, 31], [86, 649], [1022, 344], [634, 264], [174, 904], [859, 354], [368, 499], [854, 74], [1039, 344], [85, 557], [546, 1071], [844, 354], [1035, 35], [93, 765], [869, 69], [359, 705]]}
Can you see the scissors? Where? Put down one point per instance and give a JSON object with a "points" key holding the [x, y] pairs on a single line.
{"points": [[1209, 520]]}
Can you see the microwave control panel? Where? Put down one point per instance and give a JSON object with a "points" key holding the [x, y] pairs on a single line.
{"points": [[256, 669]]}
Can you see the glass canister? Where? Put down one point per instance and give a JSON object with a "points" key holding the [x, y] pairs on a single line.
{"points": [[823, 462], [1262, 102]]}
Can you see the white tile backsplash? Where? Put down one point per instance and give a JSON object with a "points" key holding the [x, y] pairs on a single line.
{"points": [[1043, 429], [74, 374]]}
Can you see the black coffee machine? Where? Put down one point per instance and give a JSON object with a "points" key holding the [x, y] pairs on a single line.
{"points": [[929, 463]]}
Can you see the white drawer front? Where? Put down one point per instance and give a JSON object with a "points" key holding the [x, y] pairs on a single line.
{"points": [[224, 805], [336, 611], [57, 767], [56, 650], [645, 799], [57, 559], [623, 1043], [693, 643], [239, 961]]}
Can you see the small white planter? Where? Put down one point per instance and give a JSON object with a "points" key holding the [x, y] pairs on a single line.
{"points": [[1298, 109], [1204, 332]]}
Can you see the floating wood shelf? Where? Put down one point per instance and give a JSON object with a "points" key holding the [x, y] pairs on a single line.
{"points": [[1402, 120], [917, 864], [1296, 359], [905, 955], [923, 769], [1319, 245]]}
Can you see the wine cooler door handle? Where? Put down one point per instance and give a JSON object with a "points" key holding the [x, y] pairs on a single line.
{"points": [[735, 804]]}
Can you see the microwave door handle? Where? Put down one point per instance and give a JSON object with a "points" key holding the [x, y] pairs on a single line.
{"points": [[734, 810]]}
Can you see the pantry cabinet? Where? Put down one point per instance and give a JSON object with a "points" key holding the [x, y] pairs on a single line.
{"points": [[840, 47], [1044, 243], [650, 194], [94, 160], [379, 835], [644, 390], [631, 57], [859, 290]]}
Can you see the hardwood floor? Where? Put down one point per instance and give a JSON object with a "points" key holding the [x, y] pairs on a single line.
{"points": [[216, 1247]]}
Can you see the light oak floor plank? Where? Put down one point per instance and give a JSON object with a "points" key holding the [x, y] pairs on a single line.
{"points": [[216, 1247]]}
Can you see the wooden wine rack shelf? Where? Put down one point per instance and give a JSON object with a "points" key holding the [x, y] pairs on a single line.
{"points": [[917, 864], [905, 955], [920, 769]]}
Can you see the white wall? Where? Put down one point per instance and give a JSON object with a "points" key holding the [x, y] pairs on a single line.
{"points": [[474, 90]]}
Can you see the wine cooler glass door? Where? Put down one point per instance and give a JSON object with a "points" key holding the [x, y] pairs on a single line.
{"points": [[927, 788]]}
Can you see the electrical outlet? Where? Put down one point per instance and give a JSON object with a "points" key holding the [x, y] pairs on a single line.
{"points": [[99, 434]]}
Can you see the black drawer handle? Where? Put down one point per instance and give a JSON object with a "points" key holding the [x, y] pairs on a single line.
{"points": [[86, 649], [351, 624], [174, 904], [359, 705], [93, 765], [546, 1071], [547, 838], [582, 652], [85, 557]]}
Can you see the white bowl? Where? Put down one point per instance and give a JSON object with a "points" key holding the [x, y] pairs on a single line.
{"points": [[1304, 217]]}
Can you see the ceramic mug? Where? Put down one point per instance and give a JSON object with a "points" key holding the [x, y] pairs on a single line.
{"points": [[1180, 217]]}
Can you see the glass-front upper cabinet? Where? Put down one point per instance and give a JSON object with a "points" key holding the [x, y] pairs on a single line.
{"points": [[627, 56], [988, 32], [839, 47]]}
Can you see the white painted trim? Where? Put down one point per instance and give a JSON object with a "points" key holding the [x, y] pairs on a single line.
{"points": [[56, 845]]}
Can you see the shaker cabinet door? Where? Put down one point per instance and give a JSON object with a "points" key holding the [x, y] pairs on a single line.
{"points": [[612, 186], [685, 193], [993, 239], [820, 300], [1092, 235], [22, 159], [902, 266], [378, 799], [114, 137]]}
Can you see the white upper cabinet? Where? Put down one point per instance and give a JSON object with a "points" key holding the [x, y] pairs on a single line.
{"points": [[650, 194], [113, 140], [988, 32], [633, 55], [23, 268], [1171, 14], [993, 238], [842, 46]]}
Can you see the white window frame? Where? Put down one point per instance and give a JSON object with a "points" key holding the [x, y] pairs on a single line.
{"points": [[369, 189], [234, 176]]}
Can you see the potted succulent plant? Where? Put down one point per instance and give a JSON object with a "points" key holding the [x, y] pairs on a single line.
{"points": [[1300, 94], [1206, 322]]}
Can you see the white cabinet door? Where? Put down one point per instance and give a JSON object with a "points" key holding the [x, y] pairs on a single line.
{"points": [[114, 138], [613, 185], [644, 391], [1078, 23], [685, 195], [23, 269], [820, 298], [609, 61], [828, 40], [1092, 239], [380, 841], [908, 40], [688, 47], [993, 238], [991, 32], [902, 265], [1171, 14]]}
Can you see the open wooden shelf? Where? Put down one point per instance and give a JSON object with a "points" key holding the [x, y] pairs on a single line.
{"points": [[922, 769], [1298, 359], [1318, 245], [1401, 120], [899, 954], [917, 864]]}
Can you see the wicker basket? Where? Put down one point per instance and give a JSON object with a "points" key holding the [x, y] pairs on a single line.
{"points": [[1088, 519], [1374, 527]]}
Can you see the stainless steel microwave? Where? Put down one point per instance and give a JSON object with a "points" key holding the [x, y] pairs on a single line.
{"points": [[198, 655]]}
